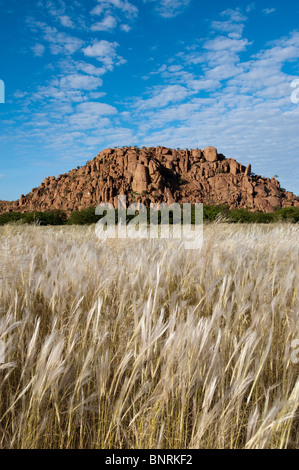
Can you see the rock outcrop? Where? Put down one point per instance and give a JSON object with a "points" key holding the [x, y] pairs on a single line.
{"points": [[156, 175]]}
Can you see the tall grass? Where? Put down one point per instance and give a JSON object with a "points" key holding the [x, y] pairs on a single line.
{"points": [[142, 344]]}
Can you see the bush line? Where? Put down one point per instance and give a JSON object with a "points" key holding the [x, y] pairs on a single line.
{"points": [[211, 213]]}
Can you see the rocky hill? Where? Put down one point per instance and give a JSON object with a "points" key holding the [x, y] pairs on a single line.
{"points": [[156, 175]]}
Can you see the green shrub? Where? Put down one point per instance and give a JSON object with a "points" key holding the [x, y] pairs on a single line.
{"points": [[9, 217], [56, 217], [290, 214], [83, 217], [210, 214]]}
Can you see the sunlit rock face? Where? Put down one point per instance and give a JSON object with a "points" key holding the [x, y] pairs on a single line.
{"points": [[155, 175]]}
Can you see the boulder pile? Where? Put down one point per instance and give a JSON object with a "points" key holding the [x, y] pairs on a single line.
{"points": [[156, 175]]}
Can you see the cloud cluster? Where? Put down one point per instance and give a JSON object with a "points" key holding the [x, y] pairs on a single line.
{"points": [[104, 6], [112, 13], [233, 23], [80, 82], [38, 49], [105, 52], [170, 8], [57, 9], [59, 42]]}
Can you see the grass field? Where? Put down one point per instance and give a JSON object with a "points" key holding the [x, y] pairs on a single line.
{"points": [[142, 344]]}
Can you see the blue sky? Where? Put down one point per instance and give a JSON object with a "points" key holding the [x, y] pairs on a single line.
{"points": [[81, 76]]}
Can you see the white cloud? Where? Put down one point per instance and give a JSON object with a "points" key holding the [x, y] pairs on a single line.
{"points": [[38, 50], [107, 24], [91, 115], [20, 94], [250, 7], [162, 96], [234, 29], [125, 27], [58, 95], [268, 11], [60, 43], [170, 8], [99, 9], [223, 43], [70, 66], [101, 49], [233, 25], [86, 121], [89, 68], [100, 109], [113, 12], [53, 8], [80, 82], [130, 10], [57, 10], [105, 52], [66, 21], [235, 15], [95, 95]]}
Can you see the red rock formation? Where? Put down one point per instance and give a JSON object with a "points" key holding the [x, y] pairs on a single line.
{"points": [[156, 175]]}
